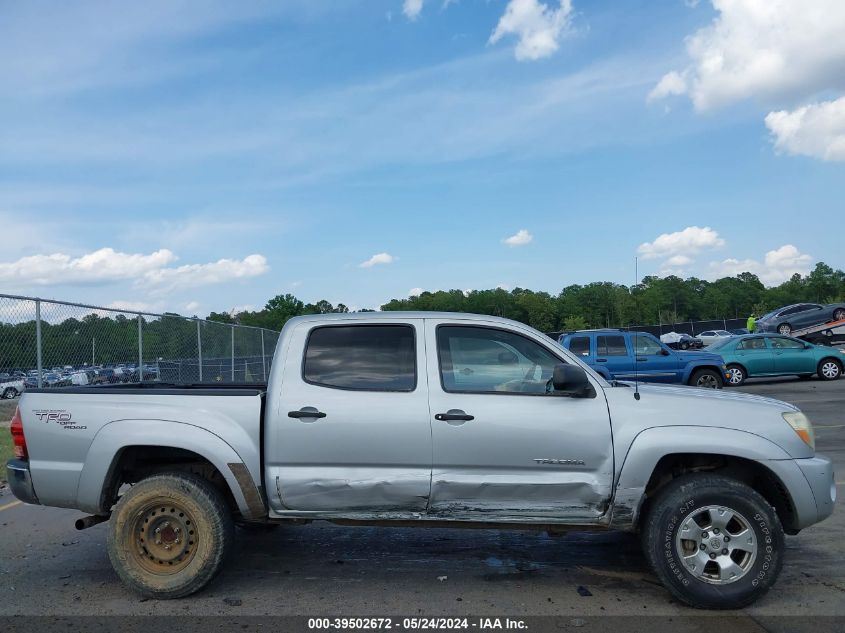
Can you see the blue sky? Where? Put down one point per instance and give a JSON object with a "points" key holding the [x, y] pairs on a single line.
{"points": [[200, 156]]}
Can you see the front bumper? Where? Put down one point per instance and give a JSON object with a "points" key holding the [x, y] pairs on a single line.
{"points": [[17, 473], [818, 472]]}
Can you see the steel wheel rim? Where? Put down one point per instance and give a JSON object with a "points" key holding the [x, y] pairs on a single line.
{"points": [[830, 369], [716, 544], [736, 375], [707, 382], [164, 537]]}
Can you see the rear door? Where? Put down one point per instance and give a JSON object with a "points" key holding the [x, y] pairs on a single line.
{"points": [[612, 352], [351, 434], [505, 449]]}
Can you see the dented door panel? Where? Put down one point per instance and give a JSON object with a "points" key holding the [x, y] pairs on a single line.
{"points": [[522, 457]]}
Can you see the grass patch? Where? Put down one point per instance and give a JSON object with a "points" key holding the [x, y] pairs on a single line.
{"points": [[6, 450]]}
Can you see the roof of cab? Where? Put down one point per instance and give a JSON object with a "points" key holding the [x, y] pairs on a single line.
{"points": [[394, 315]]}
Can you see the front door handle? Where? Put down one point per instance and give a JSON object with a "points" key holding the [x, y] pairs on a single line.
{"points": [[640, 359], [306, 412], [454, 415], [601, 360]]}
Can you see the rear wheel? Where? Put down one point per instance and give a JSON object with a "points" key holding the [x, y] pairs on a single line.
{"points": [[706, 378], [169, 535], [713, 541], [9, 393], [785, 329], [829, 369], [736, 375], [839, 314]]}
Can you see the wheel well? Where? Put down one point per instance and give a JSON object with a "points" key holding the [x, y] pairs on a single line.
{"points": [[747, 471], [135, 463], [834, 359]]}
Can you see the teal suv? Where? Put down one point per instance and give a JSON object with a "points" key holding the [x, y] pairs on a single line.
{"points": [[754, 355]]}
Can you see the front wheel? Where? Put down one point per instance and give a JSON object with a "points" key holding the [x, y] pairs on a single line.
{"points": [[829, 369], [736, 375], [9, 393], [706, 378], [785, 329], [839, 314], [169, 535], [713, 541]]}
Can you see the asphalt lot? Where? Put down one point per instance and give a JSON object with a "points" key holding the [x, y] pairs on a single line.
{"points": [[321, 569]]}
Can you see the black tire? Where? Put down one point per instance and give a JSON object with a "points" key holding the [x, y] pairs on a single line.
{"points": [[684, 345], [9, 393], [785, 329], [738, 375], [676, 504], [177, 504], [829, 369], [706, 379], [839, 314]]}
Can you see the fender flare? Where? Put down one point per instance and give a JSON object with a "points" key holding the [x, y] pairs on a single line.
{"points": [[115, 436], [652, 444], [694, 366]]}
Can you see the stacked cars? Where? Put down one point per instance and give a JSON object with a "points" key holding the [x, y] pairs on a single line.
{"points": [[799, 315]]}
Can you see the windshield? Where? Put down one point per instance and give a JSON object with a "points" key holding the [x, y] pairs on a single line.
{"points": [[720, 343]]}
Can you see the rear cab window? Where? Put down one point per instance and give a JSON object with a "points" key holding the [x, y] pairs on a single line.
{"points": [[361, 357]]}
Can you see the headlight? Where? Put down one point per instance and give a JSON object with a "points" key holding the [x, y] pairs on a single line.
{"points": [[801, 425]]}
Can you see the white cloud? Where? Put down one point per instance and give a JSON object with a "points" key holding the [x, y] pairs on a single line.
{"points": [[520, 238], [672, 83], [763, 48], [691, 241], [777, 266], [678, 260], [415, 292], [816, 130], [101, 266], [378, 259], [538, 27], [194, 275], [192, 306], [106, 266], [412, 8]]}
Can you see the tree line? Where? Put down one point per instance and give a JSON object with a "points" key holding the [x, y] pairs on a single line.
{"points": [[654, 300]]}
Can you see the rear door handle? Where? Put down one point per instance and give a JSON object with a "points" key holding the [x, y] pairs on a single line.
{"points": [[454, 415], [306, 412], [601, 360], [640, 359]]}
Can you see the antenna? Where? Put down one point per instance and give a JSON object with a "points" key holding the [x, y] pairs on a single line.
{"points": [[636, 303]]}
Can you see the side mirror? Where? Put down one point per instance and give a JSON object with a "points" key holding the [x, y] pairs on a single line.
{"points": [[664, 352], [571, 380]]}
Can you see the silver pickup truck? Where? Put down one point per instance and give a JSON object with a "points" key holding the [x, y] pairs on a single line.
{"points": [[427, 419]]}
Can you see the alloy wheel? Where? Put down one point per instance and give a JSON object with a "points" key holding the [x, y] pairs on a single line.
{"points": [[830, 370], [716, 544]]}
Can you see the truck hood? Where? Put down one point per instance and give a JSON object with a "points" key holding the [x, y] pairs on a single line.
{"points": [[719, 395]]}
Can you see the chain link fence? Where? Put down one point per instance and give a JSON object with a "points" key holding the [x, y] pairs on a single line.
{"points": [[45, 343]]}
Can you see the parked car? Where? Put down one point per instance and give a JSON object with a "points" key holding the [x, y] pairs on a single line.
{"points": [[709, 337], [372, 418], [676, 340], [755, 355], [105, 376], [800, 315], [11, 388], [739, 331], [638, 355]]}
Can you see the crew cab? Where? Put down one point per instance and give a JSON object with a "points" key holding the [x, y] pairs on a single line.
{"points": [[427, 419], [615, 354]]}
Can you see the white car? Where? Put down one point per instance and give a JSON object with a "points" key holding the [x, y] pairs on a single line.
{"points": [[711, 336], [10, 388]]}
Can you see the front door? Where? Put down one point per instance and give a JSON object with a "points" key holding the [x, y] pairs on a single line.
{"points": [[503, 448], [351, 434], [654, 362], [791, 356], [755, 356]]}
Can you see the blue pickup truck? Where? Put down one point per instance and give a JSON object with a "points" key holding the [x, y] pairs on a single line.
{"points": [[627, 355]]}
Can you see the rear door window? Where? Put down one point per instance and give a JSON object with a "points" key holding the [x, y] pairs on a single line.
{"points": [[580, 345], [362, 358], [613, 345]]}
